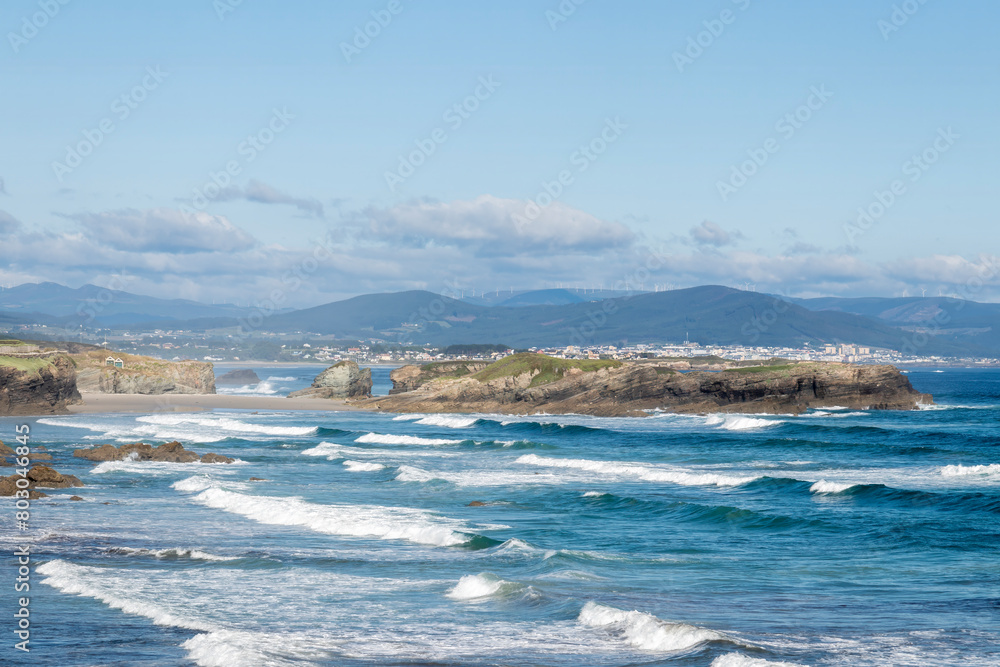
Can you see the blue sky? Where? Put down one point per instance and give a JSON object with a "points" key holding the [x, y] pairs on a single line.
{"points": [[873, 83]]}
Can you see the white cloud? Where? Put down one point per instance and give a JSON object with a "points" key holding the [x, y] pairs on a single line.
{"points": [[164, 230], [8, 223], [487, 226]]}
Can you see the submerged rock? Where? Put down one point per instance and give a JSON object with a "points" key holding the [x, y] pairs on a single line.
{"points": [[240, 376]]}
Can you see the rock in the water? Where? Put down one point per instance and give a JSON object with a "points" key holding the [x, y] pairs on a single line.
{"points": [[215, 458], [342, 380], [45, 476], [476, 503], [75, 498], [258, 479], [528, 383], [240, 376], [169, 452], [8, 487]]}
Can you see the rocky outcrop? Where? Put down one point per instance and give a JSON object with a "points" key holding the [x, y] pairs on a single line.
{"points": [[38, 477], [342, 380], [635, 389], [143, 375], [240, 376], [37, 385], [170, 452], [408, 378]]}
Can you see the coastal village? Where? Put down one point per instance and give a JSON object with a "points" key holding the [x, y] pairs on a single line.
{"points": [[291, 348]]}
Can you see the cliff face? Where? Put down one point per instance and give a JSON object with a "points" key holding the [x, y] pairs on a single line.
{"points": [[37, 385], [143, 375], [342, 380], [633, 389], [408, 378]]}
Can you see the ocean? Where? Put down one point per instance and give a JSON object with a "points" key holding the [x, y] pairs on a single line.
{"points": [[835, 537]]}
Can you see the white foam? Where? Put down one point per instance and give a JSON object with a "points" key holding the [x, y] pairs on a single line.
{"points": [[643, 472], [332, 450], [131, 465], [962, 471], [740, 422], [645, 631], [740, 660], [373, 521], [329, 449], [593, 494], [227, 424], [262, 388], [362, 466], [826, 413], [199, 483], [89, 582], [449, 421], [413, 474], [473, 586], [184, 427], [194, 554], [823, 486], [382, 439]]}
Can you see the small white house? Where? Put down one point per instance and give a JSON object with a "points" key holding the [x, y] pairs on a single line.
{"points": [[117, 363]]}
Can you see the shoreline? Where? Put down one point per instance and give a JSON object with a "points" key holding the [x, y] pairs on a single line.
{"points": [[96, 403]]}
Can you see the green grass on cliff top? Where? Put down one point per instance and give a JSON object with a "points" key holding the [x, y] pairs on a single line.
{"points": [[549, 369], [29, 364]]}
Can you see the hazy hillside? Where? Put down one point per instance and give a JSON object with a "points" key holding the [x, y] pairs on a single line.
{"points": [[708, 315], [90, 305]]}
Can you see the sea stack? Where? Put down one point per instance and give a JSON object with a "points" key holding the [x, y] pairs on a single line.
{"points": [[342, 380]]}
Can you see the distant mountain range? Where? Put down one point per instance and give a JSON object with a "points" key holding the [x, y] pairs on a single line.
{"points": [[91, 306], [554, 317]]}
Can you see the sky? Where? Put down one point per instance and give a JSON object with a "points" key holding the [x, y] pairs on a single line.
{"points": [[242, 150]]}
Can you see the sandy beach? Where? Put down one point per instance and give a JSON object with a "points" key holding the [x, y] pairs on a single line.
{"points": [[111, 403]]}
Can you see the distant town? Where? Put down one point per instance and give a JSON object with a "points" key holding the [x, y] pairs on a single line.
{"points": [[305, 348]]}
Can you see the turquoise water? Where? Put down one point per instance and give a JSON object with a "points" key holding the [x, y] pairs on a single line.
{"points": [[832, 538]]}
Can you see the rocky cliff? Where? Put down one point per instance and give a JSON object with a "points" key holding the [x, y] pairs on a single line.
{"points": [[142, 375], [37, 385], [408, 378], [342, 380], [634, 389]]}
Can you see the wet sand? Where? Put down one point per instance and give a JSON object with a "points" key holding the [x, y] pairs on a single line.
{"points": [[109, 403]]}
